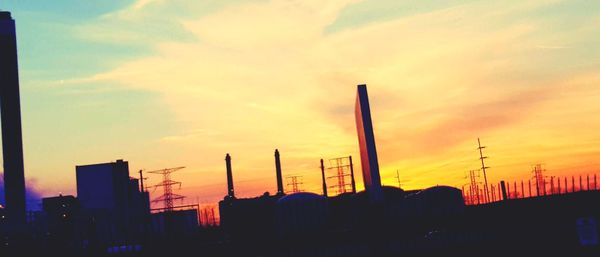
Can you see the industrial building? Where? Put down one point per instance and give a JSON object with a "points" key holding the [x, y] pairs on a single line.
{"points": [[302, 214], [118, 209]]}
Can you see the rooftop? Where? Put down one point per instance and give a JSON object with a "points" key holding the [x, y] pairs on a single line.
{"points": [[4, 15]]}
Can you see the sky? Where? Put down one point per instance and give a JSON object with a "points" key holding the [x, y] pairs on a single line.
{"points": [[167, 83]]}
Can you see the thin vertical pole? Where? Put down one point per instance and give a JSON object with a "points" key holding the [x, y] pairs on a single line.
{"points": [[522, 189], [529, 182], [142, 181], [323, 178], [477, 189], [483, 167], [352, 175], [537, 186], [588, 182], [504, 194]]}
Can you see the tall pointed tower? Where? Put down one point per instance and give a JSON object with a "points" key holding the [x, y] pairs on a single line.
{"points": [[10, 108], [366, 141]]}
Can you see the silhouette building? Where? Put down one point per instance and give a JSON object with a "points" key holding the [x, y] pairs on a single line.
{"points": [[10, 107], [61, 214], [366, 140], [112, 199]]}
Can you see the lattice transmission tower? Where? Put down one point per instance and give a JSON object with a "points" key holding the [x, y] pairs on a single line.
{"points": [[295, 182], [167, 184], [343, 169]]}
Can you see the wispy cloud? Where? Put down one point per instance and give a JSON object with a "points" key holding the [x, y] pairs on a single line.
{"points": [[253, 76]]}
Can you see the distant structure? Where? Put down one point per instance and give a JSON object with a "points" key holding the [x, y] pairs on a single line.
{"points": [[61, 215], [230, 192], [278, 173], [352, 181], [473, 187], [167, 184], [295, 182], [250, 217], [483, 168], [112, 200], [368, 151], [398, 178], [342, 169], [540, 180], [323, 178], [10, 107]]}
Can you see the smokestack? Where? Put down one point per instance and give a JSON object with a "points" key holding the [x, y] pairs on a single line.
{"points": [[230, 192], [10, 108], [323, 177], [278, 171]]}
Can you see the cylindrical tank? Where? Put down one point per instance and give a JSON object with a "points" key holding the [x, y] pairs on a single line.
{"points": [[438, 201], [301, 213]]}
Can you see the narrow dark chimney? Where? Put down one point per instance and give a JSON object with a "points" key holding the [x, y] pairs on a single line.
{"points": [[230, 192], [278, 171], [323, 177]]}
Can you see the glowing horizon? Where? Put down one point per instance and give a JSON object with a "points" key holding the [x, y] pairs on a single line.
{"points": [[172, 83]]}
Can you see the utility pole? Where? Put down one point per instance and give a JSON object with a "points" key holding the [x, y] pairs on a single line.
{"points": [[398, 178], [483, 168], [142, 181], [352, 175]]}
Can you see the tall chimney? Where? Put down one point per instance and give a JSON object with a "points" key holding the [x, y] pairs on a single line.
{"points": [[230, 192], [278, 171], [10, 107], [323, 177]]}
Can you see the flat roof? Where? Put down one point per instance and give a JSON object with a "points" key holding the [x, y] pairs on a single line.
{"points": [[4, 15], [102, 164]]}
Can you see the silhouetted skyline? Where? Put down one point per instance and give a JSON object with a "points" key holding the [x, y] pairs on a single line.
{"points": [[111, 213], [163, 83]]}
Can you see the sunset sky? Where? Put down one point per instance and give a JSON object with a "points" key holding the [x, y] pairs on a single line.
{"points": [[166, 83]]}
